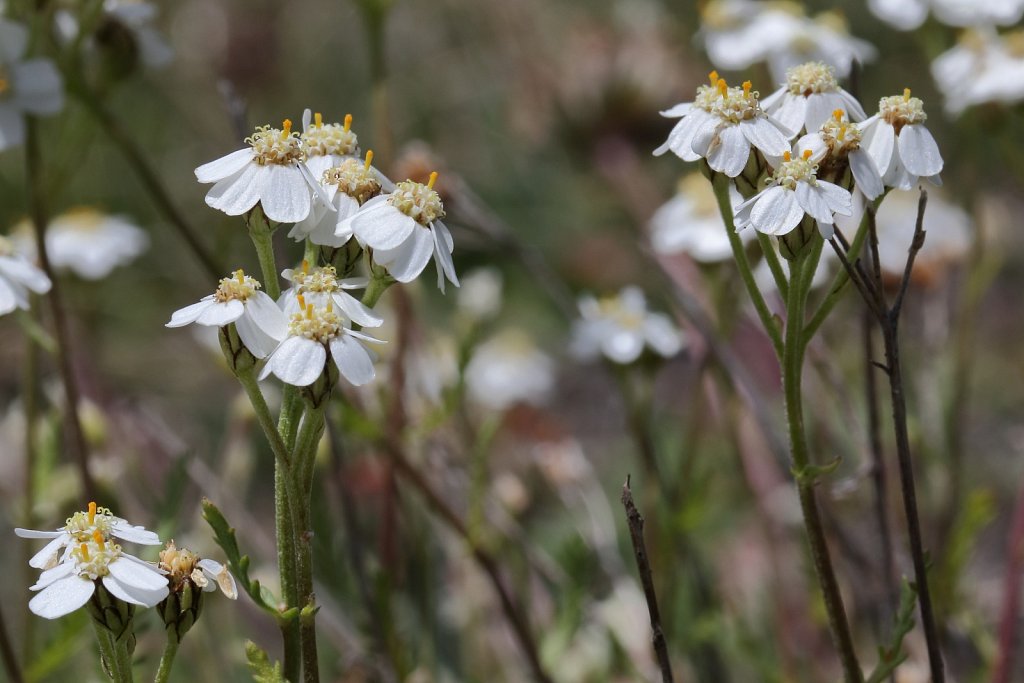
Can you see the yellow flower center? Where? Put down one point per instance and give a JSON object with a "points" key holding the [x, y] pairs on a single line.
{"points": [[841, 136], [611, 308], [277, 145], [93, 557], [900, 110], [354, 178], [180, 564], [239, 287], [318, 324], [318, 280], [417, 200], [812, 77], [330, 138], [84, 525], [728, 103], [792, 171]]}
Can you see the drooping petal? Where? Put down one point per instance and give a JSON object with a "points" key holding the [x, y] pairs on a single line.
{"points": [[237, 193], [776, 212], [134, 534], [408, 260], [919, 151], [853, 108], [731, 152], [189, 314], [879, 140], [838, 199], [703, 137], [443, 256], [226, 166], [764, 135], [382, 226], [220, 576], [136, 574], [297, 361], [790, 112], [53, 574], [865, 173], [352, 359], [62, 597], [355, 310], [812, 202], [285, 195], [220, 313], [267, 315], [134, 594], [259, 343]]}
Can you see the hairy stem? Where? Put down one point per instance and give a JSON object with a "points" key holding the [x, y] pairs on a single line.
{"points": [[163, 673], [263, 239]]}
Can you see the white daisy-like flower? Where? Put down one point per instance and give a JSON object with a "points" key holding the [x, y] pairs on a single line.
{"points": [[508, 369], [720, 125], [67, 586], [318, 286], [18, 277], [80, 528], [261, 325], [903, 149], [825, 38], [327, 144], [620, 327], [347, 186], [794, 193], [808, 98], [982, 67], [181, 564], [86, 242], [906, 15], [27, 86], [301, 357], [690, 222], [481, 293], [404, 229], [837, 144], [739, 33], [271, 172]]}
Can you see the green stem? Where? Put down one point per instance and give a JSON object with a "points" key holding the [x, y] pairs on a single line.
{"points": [[124, 657], [802, 270], [263, 239], [772, 259], [111, 657], [720, 182], [379, 284], [838, 286], [166, 661], [304, 456], [306, 444]]}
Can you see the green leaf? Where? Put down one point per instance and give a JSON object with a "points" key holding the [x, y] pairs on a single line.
{"points": [[259, 663], [891, 656], [239, 564]]}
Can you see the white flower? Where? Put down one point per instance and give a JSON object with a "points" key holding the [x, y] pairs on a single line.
{"points": [[69, 585], [948, 238], [982, 67], [258, 320], [905, 15], [327, 144], [88, 243], [903, 149], [322, 285], [794, 192], [739, 33], [182, 564], [838, 144], [826, 38], [808, 98], [80, 528], [481, 293], [271, 172], [974, 13], [404, 229], [690, 222], [620, 327], [720, 125], [301, 357], [347, 187], [509, 369], [29, 86], [18, 277]]}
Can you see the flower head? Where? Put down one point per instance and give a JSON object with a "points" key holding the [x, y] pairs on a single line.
{"points": [[620, 327], [18, 277], [690, 222], [320, 286], [326, 144], [27, 86], [348, 185], [896, 138], [509, 369], [182, 565], [836, 146], [809, 96]]}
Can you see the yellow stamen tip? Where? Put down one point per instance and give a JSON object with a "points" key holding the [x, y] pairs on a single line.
{"points": [[746, 87], [807, 154], [302, 301], [330, 306], [722, 86], [433, 179], [713, 77], [286, 126], [305, 267], [309, 311], [240, 276], [84, 549], [98, 537], [906, 94], [348, 122], [838, 114], [318, 118], [369, 159], [786, 156], [92, 512]]}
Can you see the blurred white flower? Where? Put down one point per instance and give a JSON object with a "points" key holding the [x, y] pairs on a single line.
{"points": [[346, 186], [271, 172], [509, 369], [300, 359], [690, 222], [720, 125], [620, 327], [18, 277], [794, 192], [766, 281], [903, 149], [808, 98], [404, 229], [982, 67], [826, 38], [27, 86], [138, 17], [907, 15], [88, 243], [261, 325], [480, 294], [947, 241], [320, 285]]}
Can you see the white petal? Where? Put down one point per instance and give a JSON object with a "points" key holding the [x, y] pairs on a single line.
{"points": [[680, 140], [189, 314], [703, 137], [134, 594], [219, 576], [37, 86], [224, 167], [297, 361], [819, 109], [776, 212], [253, 338], [53, 574], [662, 335], [813, 202], [765, 135], [13, 40], [320, 163], [134, 534], [285, 195], [919, 151], [221, 313], [136, 574], [769, 103], [813, 142], [24, 273], [443, 255], [677, 111], [622, 346], [9, 298], [352, 359], [729, 155], [791, 113], [838, 199], [853, 108], [237, 193], [62, 597], [879, 140], [865, 173], [33, 533], [267, 315], [382, 226], [355, 311], [408, 260]]}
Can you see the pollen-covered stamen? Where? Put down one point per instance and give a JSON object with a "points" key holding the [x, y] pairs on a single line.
{"points": [[729, 103], [792, 171], [812, 77], [318, 324], [238, 287], [83, 525], [180, 565], [92, 511], [354, 178], [841, 136], [318, 280], [318, 120], [901, 110], [276, 146], [92, 558], [331, 138], [418, 201]]}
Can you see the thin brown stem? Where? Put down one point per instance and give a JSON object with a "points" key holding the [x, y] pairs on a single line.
{"points": [[1009, 619], [635, 522]]}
